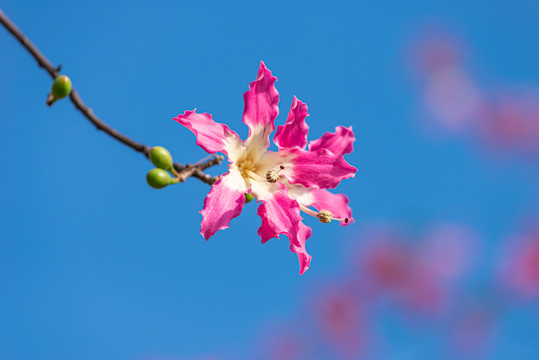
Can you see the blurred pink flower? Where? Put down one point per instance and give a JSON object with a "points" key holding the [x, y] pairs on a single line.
{"points": [[416, 275], [286, 181], [472, 330], [520, 268], [512, 121], [386, 264], [456, 104], [448, 250], [342, 320], [450, 96], [436, 51], [282, 343]]}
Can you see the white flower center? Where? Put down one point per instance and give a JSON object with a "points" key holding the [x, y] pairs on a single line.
{"points": [[248, 170], [245, 167]]}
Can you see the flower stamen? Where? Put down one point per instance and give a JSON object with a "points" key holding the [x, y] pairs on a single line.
{"points": [[273, 175], [247, 169], [324, 216], [253, 175]]}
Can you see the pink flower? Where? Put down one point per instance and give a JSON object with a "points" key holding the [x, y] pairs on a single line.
{"points": [[511, 121], [284, 182], [342, 320], [450, 96], [520, 267], [283, 342], [417, 275], [473, 329]]}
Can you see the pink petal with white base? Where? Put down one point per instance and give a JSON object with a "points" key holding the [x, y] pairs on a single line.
{"points": [[280, 215], [337, 204], [223, 203], [294, 132], [341, 142], [304, 258], [317, 169], [261, 109], [211, 136]]}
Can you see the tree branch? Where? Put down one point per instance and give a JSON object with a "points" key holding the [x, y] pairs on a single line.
{"points": [[189, 170], [185, 171]]}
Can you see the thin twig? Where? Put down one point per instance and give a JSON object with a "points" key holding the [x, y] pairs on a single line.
{"points": [[188, 171]]}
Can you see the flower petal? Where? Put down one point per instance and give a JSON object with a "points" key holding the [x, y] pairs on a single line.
{"points": [[322, 199], [340, 143], [223, 203], [211, 136], [294, 131], [261, 109], [304, 258], [337, 204], [279, 213], [316, 169]]}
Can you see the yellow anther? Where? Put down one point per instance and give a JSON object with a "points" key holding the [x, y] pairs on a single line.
{"points": [[325, 216], [272, 176]]}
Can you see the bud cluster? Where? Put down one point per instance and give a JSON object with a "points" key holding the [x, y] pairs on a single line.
{"points": [[159, 177]]}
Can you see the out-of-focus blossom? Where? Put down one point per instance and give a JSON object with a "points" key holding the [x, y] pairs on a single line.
{"points": [[520, 268], [423, 292], [282, 343], [398, 275], [448, 250], [437, 262], [511, 121], [417, 275], [451, 97], [285, 182], [449, 94], [455, 103], [342, 320], [435, 52], [382, 259], [473, 326]]}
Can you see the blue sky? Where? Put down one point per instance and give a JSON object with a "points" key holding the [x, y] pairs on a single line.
{"points": [[95, 264]]}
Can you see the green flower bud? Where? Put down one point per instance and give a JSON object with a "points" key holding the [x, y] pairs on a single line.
{"points": [[160, 157], [61, 87], [249, 197], [158, 178]]}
